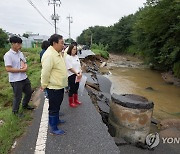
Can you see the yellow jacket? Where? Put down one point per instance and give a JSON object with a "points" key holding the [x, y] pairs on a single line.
{"points": [[54, 72]]}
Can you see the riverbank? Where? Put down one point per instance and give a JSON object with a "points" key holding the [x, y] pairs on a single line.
{"points": [[136, 62], [169, 78], [125, 61]]}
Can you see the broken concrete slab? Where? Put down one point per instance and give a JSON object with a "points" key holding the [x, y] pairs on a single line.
{"points": [[104, 83], [91, 78], [103, 106]]}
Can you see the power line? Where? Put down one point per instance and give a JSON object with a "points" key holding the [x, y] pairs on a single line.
{"points": [[43, 15], [44, 6], [39, 12]]}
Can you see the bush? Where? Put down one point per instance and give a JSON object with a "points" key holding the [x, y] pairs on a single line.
{"points": [[100, 50], [2, 52], [32, 50]]}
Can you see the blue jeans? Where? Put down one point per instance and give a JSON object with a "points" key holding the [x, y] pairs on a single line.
{"points": [[55, 100], [45, 93]]}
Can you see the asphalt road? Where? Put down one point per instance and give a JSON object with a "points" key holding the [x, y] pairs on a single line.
{"points": [[85, 132], [85, 53]]}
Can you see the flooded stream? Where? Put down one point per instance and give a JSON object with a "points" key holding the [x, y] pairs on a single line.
{"points": [[149, 84]]}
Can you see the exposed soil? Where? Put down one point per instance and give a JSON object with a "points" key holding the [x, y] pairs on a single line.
{"points": [[125, 61], [170, 79]]}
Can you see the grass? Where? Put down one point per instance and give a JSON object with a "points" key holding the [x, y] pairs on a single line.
{"points": [[13, 127]]}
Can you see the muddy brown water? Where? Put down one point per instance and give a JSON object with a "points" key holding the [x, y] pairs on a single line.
{"points": [[166, 97]]}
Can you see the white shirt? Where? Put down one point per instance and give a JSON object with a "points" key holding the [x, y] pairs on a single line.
{"points": [[72, 62], [13, 59]]}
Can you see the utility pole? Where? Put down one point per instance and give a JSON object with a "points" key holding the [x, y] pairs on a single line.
{"points": [[55, 16], [70, 21]]}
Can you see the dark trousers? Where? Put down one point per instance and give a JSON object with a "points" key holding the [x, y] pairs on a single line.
{"points": [[20, 87], [73, 87], [55, 99]]}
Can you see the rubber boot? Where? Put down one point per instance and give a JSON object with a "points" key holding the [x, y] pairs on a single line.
{"points": [[76, 101], [71, 102], [53, 122]]}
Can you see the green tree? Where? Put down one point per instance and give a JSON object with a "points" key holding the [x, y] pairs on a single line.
{"points": [[96, 34], [121, 34], [3, 38], [156, 33], [117, 37], [85, 37]]}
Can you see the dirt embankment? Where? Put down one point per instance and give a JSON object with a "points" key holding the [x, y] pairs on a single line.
{"points": [[170, 78]]}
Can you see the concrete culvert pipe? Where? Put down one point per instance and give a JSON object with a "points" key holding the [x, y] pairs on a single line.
{"points": [[130, 115]]}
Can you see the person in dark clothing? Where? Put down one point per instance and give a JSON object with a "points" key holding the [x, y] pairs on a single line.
{"points": [[44, 46]]}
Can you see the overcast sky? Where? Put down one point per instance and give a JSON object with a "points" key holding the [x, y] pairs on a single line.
{"points": [[18, 16]]}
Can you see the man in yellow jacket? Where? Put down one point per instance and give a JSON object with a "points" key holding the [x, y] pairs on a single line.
{"points": [[54, 79]]}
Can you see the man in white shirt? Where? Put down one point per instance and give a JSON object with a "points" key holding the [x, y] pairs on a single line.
{"points": [[15, 64]]}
